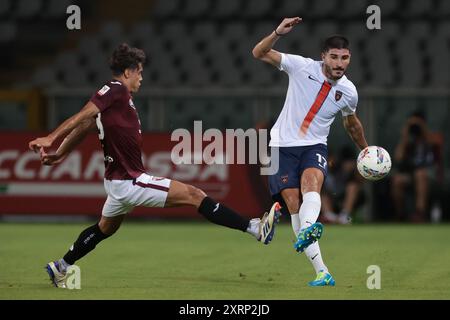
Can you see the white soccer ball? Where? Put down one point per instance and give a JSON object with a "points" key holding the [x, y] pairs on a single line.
{"points": [[374, 163]]}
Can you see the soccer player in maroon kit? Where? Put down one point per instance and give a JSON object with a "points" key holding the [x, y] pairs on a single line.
{"points": [[112, 113]]}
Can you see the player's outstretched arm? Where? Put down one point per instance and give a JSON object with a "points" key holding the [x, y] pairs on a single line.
{"points": [[263, 50], [356, 131], [89, 111], [72, 140]]}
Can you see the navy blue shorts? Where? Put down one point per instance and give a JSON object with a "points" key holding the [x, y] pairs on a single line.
{"points": [[293, 161]]}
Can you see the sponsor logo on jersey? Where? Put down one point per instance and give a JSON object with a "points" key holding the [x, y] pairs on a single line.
{"points": [[109, 159], [338, 95], [103, 90]]}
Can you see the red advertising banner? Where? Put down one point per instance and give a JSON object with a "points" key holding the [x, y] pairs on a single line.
{"points": [[75, 186]]}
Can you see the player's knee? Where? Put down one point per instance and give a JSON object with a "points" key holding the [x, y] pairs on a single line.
{"points": [[311, 184], [195, 195], [108, 228], [312, 180]]}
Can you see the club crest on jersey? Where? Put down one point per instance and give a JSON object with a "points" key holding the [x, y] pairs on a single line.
{"points": [[338, 95], [131, 104], [103, 90]]}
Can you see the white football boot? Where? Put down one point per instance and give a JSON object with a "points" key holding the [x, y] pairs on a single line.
{"points": [[268, 222], [57, 275]]}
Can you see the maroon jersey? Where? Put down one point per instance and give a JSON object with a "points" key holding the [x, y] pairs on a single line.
{"points": [[119, 132]]}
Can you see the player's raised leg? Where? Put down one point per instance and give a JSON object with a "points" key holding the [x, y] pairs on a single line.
{"points": [[311, 183], [263, 229]]}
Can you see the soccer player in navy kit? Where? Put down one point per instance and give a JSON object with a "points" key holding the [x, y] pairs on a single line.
{"points": [[317, 91], [112, 113]]}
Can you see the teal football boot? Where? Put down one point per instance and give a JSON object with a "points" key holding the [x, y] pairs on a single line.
{"points": [[322, 279], [308, 236]]}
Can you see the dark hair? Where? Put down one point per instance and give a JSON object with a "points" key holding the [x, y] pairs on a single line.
{"points": [[335, 42], [125, 57]]}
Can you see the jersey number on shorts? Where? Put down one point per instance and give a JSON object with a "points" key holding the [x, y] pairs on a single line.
{"points": [[320, 99], [101, 132], [322, 161]]}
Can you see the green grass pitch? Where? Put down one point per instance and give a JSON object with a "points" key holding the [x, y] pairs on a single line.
{"points": [[157, 260]]}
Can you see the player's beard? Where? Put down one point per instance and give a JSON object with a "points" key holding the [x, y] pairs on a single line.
{"points": [[329, 71]]}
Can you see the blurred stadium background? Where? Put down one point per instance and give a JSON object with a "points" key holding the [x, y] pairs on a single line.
{"points": [[202, 68]]}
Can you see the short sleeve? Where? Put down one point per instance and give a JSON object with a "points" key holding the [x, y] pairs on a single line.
{"points": [[350, 108], [103, 98], [290, 62]]}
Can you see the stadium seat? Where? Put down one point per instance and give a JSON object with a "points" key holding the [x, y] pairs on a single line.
{"points": [[141, 32], [256, 9], [348, 9], [77, 77], [417, 9], [411, 69], [204, 31], [355, 74], [44, 76], [355, 31], [443, 30], [262, 29], [323, 30], [155, 50], [8, 31], [379, 64], [196, 9], [89, 48], [111, 35], [419, 29], [166, 8], [442, 8], [235, 31], [174, 30], [67, 60], [387, 7], [201, 41], [439, 65], [322, 8], [5, 7], [224, 9], [288, 8], [28, 8], [260, 73], [56, 8], [163, 73], [390, 30]]}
